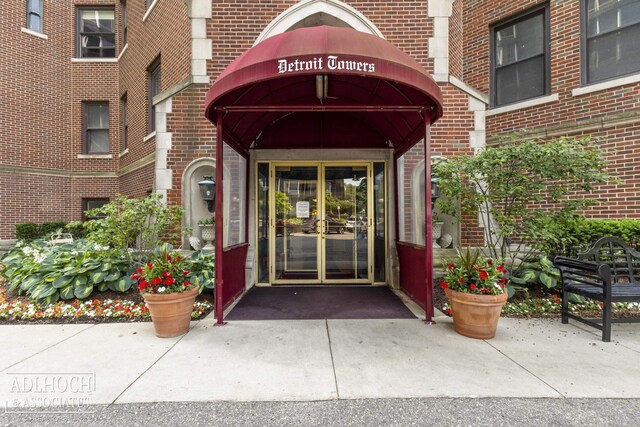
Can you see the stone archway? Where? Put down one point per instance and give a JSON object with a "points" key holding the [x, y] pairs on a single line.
{"points": [[194, 208], [319, 12]]}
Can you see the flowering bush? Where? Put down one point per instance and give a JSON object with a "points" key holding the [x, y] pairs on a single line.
{"points": [[166, 273], [474, 274]]}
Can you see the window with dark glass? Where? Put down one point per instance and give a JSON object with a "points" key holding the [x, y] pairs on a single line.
{"points": [[520, 58], [124, 123], [34, 15], [96, 127], [611, 39], [154, 89], [96, 33], [123, 21], [88, 204]]}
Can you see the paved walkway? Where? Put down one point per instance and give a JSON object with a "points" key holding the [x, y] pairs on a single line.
{"points": [[319, 360]]}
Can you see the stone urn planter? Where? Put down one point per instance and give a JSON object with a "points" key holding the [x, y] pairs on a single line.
{"points": [[475, 316], [208, 234], [171, 313], [436, 232]]}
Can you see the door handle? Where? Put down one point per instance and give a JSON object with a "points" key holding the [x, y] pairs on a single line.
{"points": [[325, 228], [317, 227]]}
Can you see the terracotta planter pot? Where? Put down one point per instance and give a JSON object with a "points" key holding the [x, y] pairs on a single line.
{"points": [[171, 313], [475, 316]]}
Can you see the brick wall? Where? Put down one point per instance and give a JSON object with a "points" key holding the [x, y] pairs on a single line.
{"points": [[611, 114], [41, 118]]}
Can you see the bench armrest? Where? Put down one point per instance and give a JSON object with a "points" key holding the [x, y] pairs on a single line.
{"points": [[580, 272]]}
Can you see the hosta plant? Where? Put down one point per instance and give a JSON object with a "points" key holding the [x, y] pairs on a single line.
{"points": [[202, 269], [48, 272]]}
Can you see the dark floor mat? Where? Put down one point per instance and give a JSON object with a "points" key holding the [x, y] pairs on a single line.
{"points": [[324, 302]]}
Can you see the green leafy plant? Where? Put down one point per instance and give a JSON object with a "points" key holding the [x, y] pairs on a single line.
{"points": [[471, 273], [207, 221], [28, 231], [540, 272], [137, 225], [166, 272], [202, 269], [47, 273], [523, 190]]}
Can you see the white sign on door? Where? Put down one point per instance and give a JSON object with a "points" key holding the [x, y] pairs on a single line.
{"points": [[302, 210]]}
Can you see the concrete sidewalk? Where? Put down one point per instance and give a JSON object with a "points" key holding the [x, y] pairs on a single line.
{"points": [[320, 360]]}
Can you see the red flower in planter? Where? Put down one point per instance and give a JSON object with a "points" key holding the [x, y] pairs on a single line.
{"points": [[461, 280], [501, 269], [156, 281], [143, 285], [483, 275], [444, 285], [473, 287], [451, 266]]}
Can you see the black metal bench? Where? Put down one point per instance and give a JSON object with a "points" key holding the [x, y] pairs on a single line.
{"points": [[608, 272]]}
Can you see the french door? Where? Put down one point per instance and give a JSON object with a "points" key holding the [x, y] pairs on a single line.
{"points": [[320, 223]]}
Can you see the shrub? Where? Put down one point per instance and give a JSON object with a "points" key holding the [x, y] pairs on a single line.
{"points": [[28, 231], [138, 224], [76, 228], [578, 236], [49, 228], [506, 180]]}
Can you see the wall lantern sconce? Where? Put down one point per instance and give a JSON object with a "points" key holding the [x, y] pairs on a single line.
{"points": [[208, 192]]}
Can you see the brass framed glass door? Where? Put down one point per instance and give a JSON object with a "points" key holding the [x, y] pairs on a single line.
{"points": [[320, 223]]}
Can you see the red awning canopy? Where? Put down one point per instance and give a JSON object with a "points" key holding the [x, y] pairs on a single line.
{"points": [[372, 93]]}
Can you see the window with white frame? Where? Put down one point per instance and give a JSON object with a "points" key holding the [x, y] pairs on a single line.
{"points": [[611, 39]]}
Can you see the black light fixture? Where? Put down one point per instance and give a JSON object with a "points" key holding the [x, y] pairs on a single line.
{"points": [[435, 190], [208, 192]]}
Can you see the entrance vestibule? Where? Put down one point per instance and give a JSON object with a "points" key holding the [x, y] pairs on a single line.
{"points": [[321, 222]]}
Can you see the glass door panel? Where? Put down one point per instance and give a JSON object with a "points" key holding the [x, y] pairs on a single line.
{"points": [[296, 228], [345, 225]]}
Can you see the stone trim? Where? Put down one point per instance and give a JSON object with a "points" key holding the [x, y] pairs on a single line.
{"points": [[306, 8], [163, 174], [94, 60], [124, 49], [95, 156], [440, 11], [524, 104], [56, 172], [589, 125], [138, 164], [34, 33], [606, 85], [148, 12]]}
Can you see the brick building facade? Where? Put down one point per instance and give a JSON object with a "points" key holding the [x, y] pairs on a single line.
{"points": [[150, 64]]}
